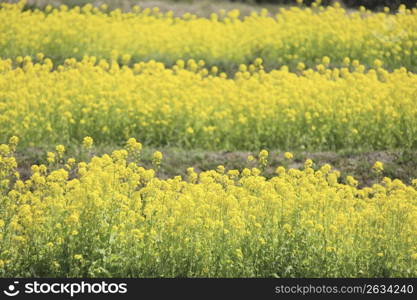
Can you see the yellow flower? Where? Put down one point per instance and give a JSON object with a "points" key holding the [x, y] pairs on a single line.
{"points": [[214, 70], [377, 63], [288, 155], [78, 257], [87, 142], [308, 163], [233, 173], [157, 158], [378, 167], [220, 169], [246, 172], [50, 157], [346, 61], [280, 170], [60, 149], [242, 68], [301, 66], [40, 56], [13, 141], [133, 146], [258, 62], [255, 172], [263, 158], [351, 181], [71, 161]]}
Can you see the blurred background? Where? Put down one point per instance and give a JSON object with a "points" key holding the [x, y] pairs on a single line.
{"points": [[205, 7]]}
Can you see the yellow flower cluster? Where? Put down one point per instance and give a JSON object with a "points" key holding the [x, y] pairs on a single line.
{"points": [[225, 39], [112, 217], [86, 74], [319, 108]]}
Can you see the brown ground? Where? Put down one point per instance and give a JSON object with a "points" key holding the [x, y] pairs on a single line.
{"points": [[397, 164]]}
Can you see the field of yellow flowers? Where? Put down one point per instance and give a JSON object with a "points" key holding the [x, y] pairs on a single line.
{"points": [[307, 79], [112, 217], [293, 35], [191, 106]]}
